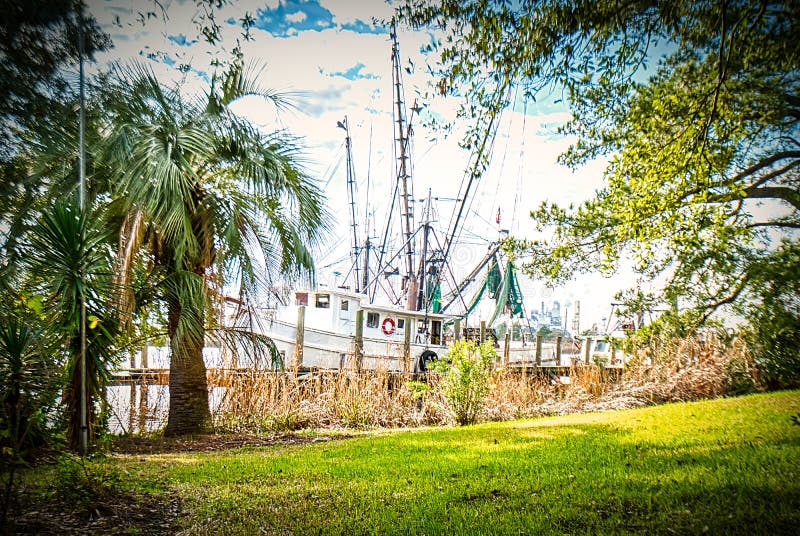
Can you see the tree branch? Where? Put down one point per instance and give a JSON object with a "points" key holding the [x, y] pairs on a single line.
{"points": [[782, 224], [765, 162], [730, 298], [790, 195], [761, 164]]}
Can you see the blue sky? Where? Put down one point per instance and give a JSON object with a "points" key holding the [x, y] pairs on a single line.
{"points": [[332, 60], [292, 17]]}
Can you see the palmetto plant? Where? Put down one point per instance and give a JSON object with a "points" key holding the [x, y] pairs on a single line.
{"points": [[70, 263], [27, 387], [211, 201]]}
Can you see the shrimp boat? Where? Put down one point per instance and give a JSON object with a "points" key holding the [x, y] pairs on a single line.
{"points": [[400, 323], [353, 326]]}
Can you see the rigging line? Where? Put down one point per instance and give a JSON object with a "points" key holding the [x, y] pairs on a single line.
{"points": [[468, 176], [470, 235], [450, 270], [399, 251], [477, 215], [332, 248], [472, 200], [391, 209], [335, 262], [349, 272], [428, 150], [386, 235], [390, 293], [495, 202], [521, 166], [488, 136], [366, 201], [333, 167]]}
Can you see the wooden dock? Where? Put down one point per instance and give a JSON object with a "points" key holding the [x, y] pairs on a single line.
{"points": [[160, 376]]}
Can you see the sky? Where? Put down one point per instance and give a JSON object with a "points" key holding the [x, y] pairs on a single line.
{"points": [[332, 60]]}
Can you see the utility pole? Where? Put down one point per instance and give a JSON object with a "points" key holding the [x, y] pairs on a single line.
{"points": [[84, 410]]}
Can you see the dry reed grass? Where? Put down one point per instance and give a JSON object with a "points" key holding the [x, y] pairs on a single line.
{"points": [[266, 401]]}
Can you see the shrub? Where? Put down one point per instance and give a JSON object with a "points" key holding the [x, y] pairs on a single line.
{"points": [[85, 486], [467, 370], [774, 339]]}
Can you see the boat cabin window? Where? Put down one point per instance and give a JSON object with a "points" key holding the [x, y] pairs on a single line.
{"points": [[323, 301], [436, 332], [345, 305], [421, 326], [373, 319], [401, 323], [301, 298]]}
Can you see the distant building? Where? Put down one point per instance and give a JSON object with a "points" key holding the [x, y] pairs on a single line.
{"points": [[549, 317]]}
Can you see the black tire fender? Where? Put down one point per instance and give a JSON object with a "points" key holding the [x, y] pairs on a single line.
{"points": [[423, 360]]}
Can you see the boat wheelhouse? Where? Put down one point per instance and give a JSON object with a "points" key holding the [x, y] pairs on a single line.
{"points": [[319, 330]]}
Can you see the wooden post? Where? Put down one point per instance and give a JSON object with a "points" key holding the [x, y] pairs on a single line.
{"points": [[507, 349], [132, 408], [409, 321], [358, 342], [482, 336], [457, 329], [299, 340], [558, 351], [538, 350], [143, 390], [587, 354]]}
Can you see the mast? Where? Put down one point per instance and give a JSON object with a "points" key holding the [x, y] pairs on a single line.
{"points": [[351, 199], [404, 193]]}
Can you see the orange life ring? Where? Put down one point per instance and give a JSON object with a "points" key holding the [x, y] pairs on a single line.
{"points": [[387, 326]]}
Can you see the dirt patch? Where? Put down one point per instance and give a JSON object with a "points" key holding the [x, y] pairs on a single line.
{"points": [[208, 443], [109, 510], [116, 512]]}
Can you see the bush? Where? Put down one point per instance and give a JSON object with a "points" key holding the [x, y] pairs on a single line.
{"points": [[85, 486], [467, 370], [774, 339]]}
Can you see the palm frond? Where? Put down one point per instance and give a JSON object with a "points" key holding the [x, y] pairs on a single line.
{"points": [[242, 80]]}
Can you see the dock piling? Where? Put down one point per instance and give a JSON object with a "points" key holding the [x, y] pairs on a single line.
{"points": [[558, 351], [358, 341], [297, 357]]}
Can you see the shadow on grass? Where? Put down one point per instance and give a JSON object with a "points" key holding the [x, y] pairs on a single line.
{"points": [[500, 479]]}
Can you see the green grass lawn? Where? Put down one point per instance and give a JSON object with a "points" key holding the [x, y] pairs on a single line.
{"points": [[727, 466]]}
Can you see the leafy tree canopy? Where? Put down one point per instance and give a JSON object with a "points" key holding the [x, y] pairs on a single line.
{"points": [[701, 187], [38, 40]]}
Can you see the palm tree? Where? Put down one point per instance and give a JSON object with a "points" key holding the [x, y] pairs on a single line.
{"points": [[212, 201]]}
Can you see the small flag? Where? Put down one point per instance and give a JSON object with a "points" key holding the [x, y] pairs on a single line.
{"points": [[498, 215]]}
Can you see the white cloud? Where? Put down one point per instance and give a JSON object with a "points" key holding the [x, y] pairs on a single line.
{"points": [[296, 17], [522, 173]]}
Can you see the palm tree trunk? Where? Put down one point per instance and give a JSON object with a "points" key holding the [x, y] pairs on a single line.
{"points": [[188, 387]]}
